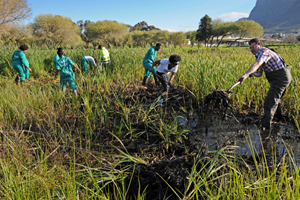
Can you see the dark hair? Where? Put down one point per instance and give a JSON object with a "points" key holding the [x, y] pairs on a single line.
{"points": [[60, 53], [158, 45], [174, 58], [23, 47], [100, 46], [256, 41]]}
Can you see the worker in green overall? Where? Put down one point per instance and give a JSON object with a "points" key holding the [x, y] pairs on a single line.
{"points": [[56, 57], [147, 62], [64, 65], [85, 64], [21, 64]]}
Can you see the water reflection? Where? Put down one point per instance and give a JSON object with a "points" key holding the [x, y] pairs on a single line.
{"points": [[248, 138]]}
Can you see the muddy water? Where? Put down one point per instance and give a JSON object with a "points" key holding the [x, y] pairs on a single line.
{"points": [[218, 132]]}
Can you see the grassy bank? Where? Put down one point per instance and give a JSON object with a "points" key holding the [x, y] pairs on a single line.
{"points": [[57, 146]]}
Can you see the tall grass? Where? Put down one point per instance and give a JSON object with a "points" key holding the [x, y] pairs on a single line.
{"points": [[50, 139], [199, 72]]}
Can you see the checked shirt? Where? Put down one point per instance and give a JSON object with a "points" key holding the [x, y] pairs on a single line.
{"points": [[272, 60]]}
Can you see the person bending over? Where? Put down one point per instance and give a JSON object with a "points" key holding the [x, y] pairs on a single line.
{"points": [[277, 73], [148, 61], [64, 65], [165, 66], [85, 60]]}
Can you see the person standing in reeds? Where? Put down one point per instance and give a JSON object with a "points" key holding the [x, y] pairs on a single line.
{"points": [[148, 61], [21, 64], [85, 64], [104, 57], [165, 66], [56, 57], [278, 74], [64, 65]]}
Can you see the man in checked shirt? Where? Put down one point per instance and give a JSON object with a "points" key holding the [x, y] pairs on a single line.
{"points": [[277, 73]]}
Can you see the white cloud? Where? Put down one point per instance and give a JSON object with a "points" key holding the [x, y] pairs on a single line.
{"points": [[188, 29], [233, 15], [183, 30], [170, 30]]}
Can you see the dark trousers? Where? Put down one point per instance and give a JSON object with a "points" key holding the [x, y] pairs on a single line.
{"points": [[164, 78], [279, 81], [104, 64]]}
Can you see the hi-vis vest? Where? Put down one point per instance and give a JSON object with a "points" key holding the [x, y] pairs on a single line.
{"points": [[104, 54]]}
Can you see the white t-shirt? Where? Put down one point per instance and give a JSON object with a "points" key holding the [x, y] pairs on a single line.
{"points": [[163, 67], [91, 59]]}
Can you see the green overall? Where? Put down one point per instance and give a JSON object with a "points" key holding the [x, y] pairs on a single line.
{"points": [[85, 64], [66, 75], [19, 61], [148, 60]]}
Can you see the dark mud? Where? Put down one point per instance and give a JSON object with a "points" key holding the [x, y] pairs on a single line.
{"points": [[209, 128], [167, 163]]}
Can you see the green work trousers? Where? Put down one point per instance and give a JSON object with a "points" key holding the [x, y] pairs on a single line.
{"points": [[147, 66], [279, 81], [85, 64], [22, 71]]}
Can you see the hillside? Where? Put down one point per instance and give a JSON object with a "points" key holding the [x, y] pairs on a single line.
{"points": [[277, 15]]}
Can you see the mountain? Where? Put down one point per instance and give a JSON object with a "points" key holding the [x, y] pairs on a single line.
{"points": [[277, 15]]}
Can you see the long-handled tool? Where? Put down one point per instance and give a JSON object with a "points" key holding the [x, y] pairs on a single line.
{"points": [[229, 90]]}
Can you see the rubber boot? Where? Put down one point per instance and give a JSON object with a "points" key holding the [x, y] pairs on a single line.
{"points": [[22, 83], [17, 80], [75, 92], [156, 80], [278, 114], [145, 81]]}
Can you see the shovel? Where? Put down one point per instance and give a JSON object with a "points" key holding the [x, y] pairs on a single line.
{"points": [[229, 90], [181, 91]]}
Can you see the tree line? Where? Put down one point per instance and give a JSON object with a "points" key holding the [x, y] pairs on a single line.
{"points": [[215, 30], [55, 30]]}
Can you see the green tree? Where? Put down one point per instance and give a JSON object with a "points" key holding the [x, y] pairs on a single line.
{"points": [[82, 25], [142, 38], [110, 32], [247, 28], [177, 38], [191, 35], [142, 26], [13, 11], [16, 33], [128, 40], [205, 29], [162, 37], [222, 29], [56, 30]]}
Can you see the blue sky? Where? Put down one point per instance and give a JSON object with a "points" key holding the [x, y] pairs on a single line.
{"points": [[171, 15]]}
